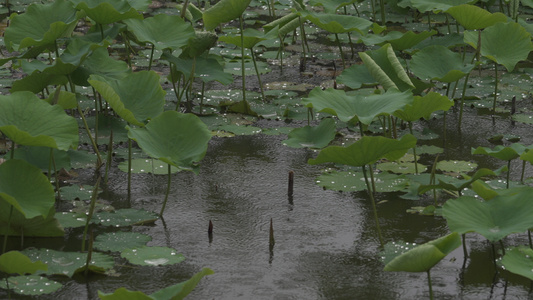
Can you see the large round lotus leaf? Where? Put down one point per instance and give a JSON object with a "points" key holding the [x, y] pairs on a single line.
{"points": [[346, 108], [234, 67], [152, 256], [40, 25], [312, 137], [101, 64], [423, 107], [423, 257], [40, 157], [239, 129], [224, 11], [356, 76], [367, 150], [162, 31], [331, 6], [495, 41], [494, 219], [501, 152], [457, 166], [71, 219], [427, 149], [207, 69], [69, 263], [175, 138], [348, 181], [439, 63], [118, 241], [15, 178], [339, 23], [30, 121], [15, 262], [136, 98], [147, 165], [107, 12], [251, 37], [473, 17], [401, 167], [21, 226], [434, 5], [31, 285], [399, 40], [519, 260], [125, 217]]}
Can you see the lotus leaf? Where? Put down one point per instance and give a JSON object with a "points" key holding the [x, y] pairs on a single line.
{"points": [[500, 152], [348, 181], [41, 25], [367, 150], [69, 263], [312, 137], [28, 120], [399, 40], [339, 23], [224, 11], [356, 76], [118, 241], [519, 260], [454, 184], [207, 69], [457, 166], [473, 17], [147, 165], [433, 5], [31, 285], [40, 157], [199, 44], [162, 31], [240, 129], [15, 262], [137, 97], [152, 256], [125, 217], [440, 64], [331, 6], [251, 37], [107, 12], [494, 219], [364, 109], [100, 63], [423, 257], [401, 167]]}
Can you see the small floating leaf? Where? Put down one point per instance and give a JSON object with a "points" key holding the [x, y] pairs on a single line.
{"points": [[348, 181], [147, 165], [312, 137], [118, 241], [457, 166], [16, 262], [152, 256], [126, 217], [31, 285], [519, 260], [69, 263]]}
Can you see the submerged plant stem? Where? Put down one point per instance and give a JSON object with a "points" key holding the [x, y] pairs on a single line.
{"points": [[414, 148], [91, 211], [242, 59], [258, 75], [166, 194], [374, 209], [429, 285], [340, 50], [495, 87]]}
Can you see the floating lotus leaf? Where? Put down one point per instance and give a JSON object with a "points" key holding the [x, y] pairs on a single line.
{"points": [[31, 285], [77, 192], [175, 138], [162, 31], [348, 181], [339, 23], [178, 291], [367, 150], [234, 67], [427, 149], [41, 25], [454, 184], [69, 263], [423, 107], [15, 262], [399, 40], [401, 167], [147, 165], [34, 227], [434, 5], [423, 257], [519, 260], [356, 76], [251, 37], [125, 217], [136, 98], [107, 12], [331, 6], [121, 240], [456, 166], [224, 11], [439, 63], [312, 137], [495, 41], [207, 69], [28, 120], [365, 109], [473, 17], [500, 152], [386, 68], [240, 129], [152, 256], [494, 219], [71, 219]]}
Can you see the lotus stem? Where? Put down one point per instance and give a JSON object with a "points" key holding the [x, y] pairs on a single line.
{"points": [[151, 57], [429, 285], [374, 209], [340, 49], [129, 167], [166, 194], [91, 211], [463, 100], [89, 254], [242, 59], [109, 155], [4, 247], [465, 251], [523, 171], [373, 10], [95, 147], [495, 87], [414, 148], [258, 75], [382, 9], [433, 180], [271, 240], [508, 172], [291, 184], [53, 161], [184, 9], [273, 8]]}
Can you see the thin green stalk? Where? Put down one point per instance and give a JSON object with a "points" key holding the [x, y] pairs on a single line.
{"points": [[373, 10], [52, 158], [129, 167], [273, 8], [95, 147], [433, 180], [91, 211], [414, 148], [109, 156], [242, 59], [340, 49], [374, 209], [151, 57], [4, 247], [465, 252], [382, 9], [430, 286], [495, 87], [166, 194], [508, 172], [184, 9], [523, 171], [463, 100], [258, 75]]}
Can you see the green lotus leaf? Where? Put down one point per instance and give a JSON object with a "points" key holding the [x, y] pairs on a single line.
{"points": [[339, 23], [125, 217], [356, 76], [28, 120], [438, 63], [136, 98], [367, 150], [22, 226], [99, 63], [224, 11], [427, 149], [312, 137], [500, 152], [454, 184], [39, 285], [494, 219], [37, 81], [423, 107], [519, 260], [121, 240], [68, 263], [282, 22], [423, 257], [177, 292], [240, 129], [348, 181], [457, 166], [365, 109], [15, 262], [40, 25], [15, 178], [152, 256], [162, 31], [527, 156], [175, 138], [386, 68], [473, 17], [199, 44], [107, 12], [495, 41], [207, 69], [401, 167], [434, 5], [147, 165], [399, 40], [251, 37], [331, 6]]}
